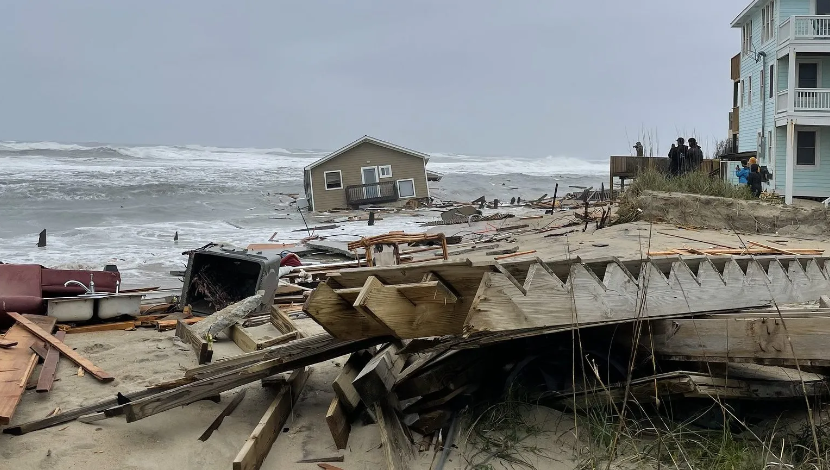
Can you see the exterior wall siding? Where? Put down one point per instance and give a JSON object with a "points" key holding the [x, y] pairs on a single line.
{"points": [[788, 8], [404, 166]]}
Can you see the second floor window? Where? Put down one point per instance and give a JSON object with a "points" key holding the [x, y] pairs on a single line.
{"points": [[768, 22], [750, 89], [746, 38]]}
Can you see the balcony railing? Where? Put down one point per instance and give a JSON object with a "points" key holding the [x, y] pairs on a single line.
{"points": [[812, 99], [803, 28], [373, 193]]}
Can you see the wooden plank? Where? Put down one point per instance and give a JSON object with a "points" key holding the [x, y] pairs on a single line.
{"points": [[281, 321], [375, 381], [237, 399], [771, 248], [257, 446], [68, 352], [212, 381], [410, 310], [17, 364], [166, 325], [242, 338], [203, 348], [339, 318], [513, 255], [124, 325], [50, 367], [342, 385], [338, 423], [397, 449], [7, 344]]}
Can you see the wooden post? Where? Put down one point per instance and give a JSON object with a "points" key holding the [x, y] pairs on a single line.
{"points": [[371, 218], [495, 203]]}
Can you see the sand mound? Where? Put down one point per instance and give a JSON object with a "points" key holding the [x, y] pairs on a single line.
{"points": [[805, 217]]}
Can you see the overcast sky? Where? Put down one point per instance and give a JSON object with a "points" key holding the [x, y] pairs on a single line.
{"points": [[485, 77]]}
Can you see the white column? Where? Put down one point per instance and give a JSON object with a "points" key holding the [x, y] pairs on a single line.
{"points": [[791, 85], [789, 167]]}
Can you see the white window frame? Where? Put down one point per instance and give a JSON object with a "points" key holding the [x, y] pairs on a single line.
{"points": [[768, 26], [382, 174], [818, 148], [326, 183], [398, 183], [746, 38]]}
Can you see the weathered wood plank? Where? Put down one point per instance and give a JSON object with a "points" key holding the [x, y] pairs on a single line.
{"points": [[202, 347], [375, 381], [257, 446], [237, 399], [339, 318], [242, 338], [124, 325], [7, 344], [68, 352], [50, 367], [17, 364], [338, 423], [397, 449], [342, 385]]}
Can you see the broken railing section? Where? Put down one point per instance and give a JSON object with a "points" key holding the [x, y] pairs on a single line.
{"points": [[458, 298]]}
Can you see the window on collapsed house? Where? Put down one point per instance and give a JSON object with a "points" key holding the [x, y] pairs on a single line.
{"points": [[768, 22], [385, 171], [334, 180], [406, 188], [746, 38]]}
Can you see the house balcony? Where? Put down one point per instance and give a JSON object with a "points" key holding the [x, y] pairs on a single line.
{"points": [[810, 31], [374, 193]]}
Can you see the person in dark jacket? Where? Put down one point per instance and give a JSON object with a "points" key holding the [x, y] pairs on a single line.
{"points": [[677, 155], [754, 180], [694, 156]]}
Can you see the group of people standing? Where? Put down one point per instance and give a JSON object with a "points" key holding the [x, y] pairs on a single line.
{"points": [[750, 175], [685, 158]]}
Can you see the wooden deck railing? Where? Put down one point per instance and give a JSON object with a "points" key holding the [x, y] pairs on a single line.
{"points": [[386, 191]]}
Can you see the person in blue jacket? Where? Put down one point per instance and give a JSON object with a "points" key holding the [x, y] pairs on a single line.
{"points": [[741, 173]]}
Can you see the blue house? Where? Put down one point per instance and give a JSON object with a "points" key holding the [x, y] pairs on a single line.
{"points": [[782, 93]]}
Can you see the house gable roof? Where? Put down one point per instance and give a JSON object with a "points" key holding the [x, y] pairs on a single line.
{"points": [[371, 140], [739, 20]]}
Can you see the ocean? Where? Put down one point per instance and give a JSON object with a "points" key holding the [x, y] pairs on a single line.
{"points": [[117, 204]]}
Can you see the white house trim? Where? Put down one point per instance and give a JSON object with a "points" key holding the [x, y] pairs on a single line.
{"points": [[363, 177], [790, 163], [325, 183], [371, 140], [380, 171]]}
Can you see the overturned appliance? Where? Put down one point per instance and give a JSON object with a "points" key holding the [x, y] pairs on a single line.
{"points": [[220, 275]]}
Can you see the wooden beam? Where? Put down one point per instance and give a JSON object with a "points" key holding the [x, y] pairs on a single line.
{"points": [[375, 381], [342, 385], [397, 449], [255, 450], [771, 248], [202, 347], [50, 367], [338, 423], [166, 325], [339, 318], [281, 321], [237, 399], [124, 325], [242, 338], [409, 310], [212, 381], [68, 352], [17, 364]]}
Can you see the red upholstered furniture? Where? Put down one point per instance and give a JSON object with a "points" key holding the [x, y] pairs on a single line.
{"points": [[24, 286]]}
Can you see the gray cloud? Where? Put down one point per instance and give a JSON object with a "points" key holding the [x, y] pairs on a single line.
{"points": [[489, 77]]}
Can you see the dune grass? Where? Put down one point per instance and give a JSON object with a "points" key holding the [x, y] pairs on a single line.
{"points": [[697, 182]]}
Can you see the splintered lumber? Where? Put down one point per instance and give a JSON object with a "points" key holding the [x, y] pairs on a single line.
{"points": [[202, 347], [338, 423], [375, 381], [397, 449], [409, 310], [764, 339], [68, 352], [342, 385], [237, 399], [763, 383], [339, 318], [246, 368], [455, 371], [255, 450], [17, 364], [50, 366]]}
